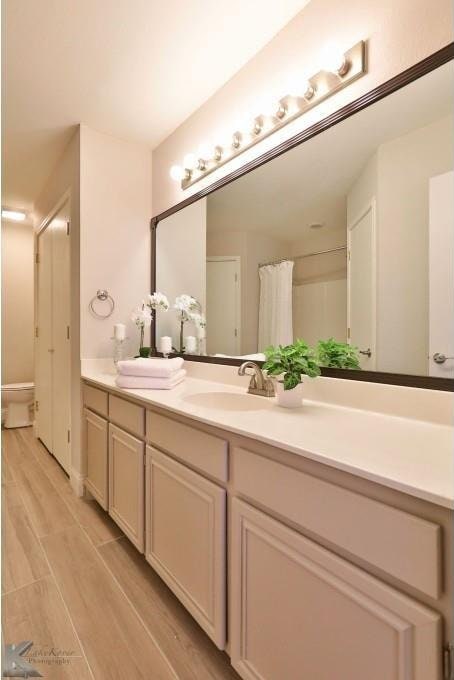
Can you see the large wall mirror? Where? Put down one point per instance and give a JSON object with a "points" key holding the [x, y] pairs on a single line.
{"points": [[349, 235]]}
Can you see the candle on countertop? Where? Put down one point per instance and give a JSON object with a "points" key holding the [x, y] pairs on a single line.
{"points": [[165, 344], [190, 344], [119, 331]]}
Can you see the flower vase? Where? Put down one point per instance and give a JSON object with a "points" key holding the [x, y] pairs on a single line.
{"points": [[181, 336], [289, 398]]}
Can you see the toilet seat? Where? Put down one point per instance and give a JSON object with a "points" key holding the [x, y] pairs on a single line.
{"points": [[19, 386]]}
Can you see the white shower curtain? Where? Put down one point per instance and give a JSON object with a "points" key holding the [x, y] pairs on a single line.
{"points": [[275, 309]]}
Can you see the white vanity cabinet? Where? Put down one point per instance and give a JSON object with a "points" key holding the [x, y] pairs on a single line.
{"points": [[94, 437], [299, 611], [186, 539], [300, 571], [126, 484]]}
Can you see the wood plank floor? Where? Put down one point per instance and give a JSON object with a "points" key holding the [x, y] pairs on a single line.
{"points": [[72, 582]]}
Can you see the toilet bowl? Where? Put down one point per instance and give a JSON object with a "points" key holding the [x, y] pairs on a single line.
{"points": [[17, 399]]}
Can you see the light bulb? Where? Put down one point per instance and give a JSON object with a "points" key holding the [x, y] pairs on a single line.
{"points": [[308, 90], [190, 161], [177, 173], [292, 85], [334, 60], [206, 151]]}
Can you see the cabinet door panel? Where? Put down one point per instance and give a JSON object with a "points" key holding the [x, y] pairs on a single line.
{"points": [[95, 441], [186, 537], [126, 484], [299, 611]]}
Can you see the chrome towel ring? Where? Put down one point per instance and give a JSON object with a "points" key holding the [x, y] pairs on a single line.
{"points": [[103, 296]]}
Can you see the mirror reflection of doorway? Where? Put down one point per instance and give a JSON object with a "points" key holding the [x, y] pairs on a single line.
{"points": [[361, 285], [223, 301]]}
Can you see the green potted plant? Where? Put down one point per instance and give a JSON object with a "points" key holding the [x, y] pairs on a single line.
{"points": [[287, 364], [333, 354]]}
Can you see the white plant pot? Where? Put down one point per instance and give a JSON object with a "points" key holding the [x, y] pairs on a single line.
{"points": [[289, 398]]}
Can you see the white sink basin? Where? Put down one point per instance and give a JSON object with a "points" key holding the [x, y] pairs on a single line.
{"points": [[229, 401]]}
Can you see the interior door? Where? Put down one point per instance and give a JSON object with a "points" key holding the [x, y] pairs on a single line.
{"points": [[44, 347], [223, 305], [361, 306], [53, 379], [441, 277], [61, 377]]}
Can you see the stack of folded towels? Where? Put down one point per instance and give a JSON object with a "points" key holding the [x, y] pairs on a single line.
{"points": [[150, 374]]}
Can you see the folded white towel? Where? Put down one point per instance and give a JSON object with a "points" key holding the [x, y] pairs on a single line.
{"points": [[153, 368], [147, 383]]}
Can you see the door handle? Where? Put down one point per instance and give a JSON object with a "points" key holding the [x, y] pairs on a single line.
{"points": [[440, 358], [366, 352], [51, 350]]}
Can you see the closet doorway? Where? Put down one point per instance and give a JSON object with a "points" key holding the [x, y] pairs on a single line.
{"points": [[53, 377]]}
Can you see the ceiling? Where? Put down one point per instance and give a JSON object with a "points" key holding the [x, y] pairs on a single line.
{"points": [[135, 69], [310, 183]]}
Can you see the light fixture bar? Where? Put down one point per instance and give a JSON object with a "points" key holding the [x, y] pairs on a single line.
{"points": [[319, 87]]}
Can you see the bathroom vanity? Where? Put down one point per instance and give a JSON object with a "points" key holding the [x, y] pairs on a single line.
{"points": [[307, 544]]}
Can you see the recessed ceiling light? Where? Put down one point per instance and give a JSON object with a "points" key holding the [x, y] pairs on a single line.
{"points": [[14, 215]]}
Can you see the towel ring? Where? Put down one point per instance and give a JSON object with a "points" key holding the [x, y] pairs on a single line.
{"points": [[103, 296]]}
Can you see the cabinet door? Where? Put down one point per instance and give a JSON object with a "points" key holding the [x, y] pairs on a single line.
{"points": [[186, 538], [126, 484], [95, 439], [299, 612]]}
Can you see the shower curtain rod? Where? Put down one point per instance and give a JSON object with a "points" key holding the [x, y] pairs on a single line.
{"points": [[300, 257]]}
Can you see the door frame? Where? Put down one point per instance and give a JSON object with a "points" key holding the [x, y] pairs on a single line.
{"points": [[64, 199], [237, 260], [370, 207]]}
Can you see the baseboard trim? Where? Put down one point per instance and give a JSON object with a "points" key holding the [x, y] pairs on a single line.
{"points": [[77, 482]]}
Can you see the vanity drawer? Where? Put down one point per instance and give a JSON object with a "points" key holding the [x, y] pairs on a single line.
{"points": [[199, 449], [95, 399], [402, 545], [127, 415]]}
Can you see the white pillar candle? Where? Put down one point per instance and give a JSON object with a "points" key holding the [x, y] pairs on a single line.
{"points": [[165, 344], [119, 331], [190, 344]]}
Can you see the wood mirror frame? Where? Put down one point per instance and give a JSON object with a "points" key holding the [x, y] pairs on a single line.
{"points": [[411, 74]]}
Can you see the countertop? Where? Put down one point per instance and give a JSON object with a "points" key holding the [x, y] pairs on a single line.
{"points": [[409, 455]]}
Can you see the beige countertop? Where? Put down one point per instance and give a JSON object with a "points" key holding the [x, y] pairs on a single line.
{"points": [[412, 455]]}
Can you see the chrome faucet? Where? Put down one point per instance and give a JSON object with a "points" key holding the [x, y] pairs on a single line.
{"points": [[259, 384]]}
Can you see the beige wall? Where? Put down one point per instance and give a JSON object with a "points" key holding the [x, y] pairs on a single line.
{"points": [[181, 264], [17, 303], [399, 34], [115, 211]]}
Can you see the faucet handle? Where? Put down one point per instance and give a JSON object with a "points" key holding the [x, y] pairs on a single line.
{"points": [[258, 384]]}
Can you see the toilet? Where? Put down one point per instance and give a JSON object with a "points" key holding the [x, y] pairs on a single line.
{"points": [[17, 399]]}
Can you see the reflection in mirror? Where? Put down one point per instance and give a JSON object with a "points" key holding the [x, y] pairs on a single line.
{"points": [[349, 235]]}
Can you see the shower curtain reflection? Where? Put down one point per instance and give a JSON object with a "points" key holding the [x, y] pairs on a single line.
{"points": [[275, 308]]}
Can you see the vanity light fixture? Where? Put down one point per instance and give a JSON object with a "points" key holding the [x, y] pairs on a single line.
{"points": [[339, 70], [13, 215], [180, 174]]}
